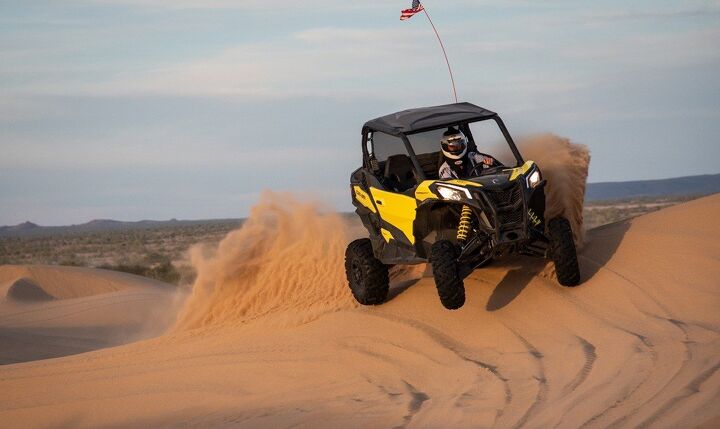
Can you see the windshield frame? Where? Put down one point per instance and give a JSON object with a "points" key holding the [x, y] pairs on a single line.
{"points": [[464, 126]]}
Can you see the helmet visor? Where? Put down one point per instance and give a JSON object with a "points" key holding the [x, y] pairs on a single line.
{"points": [[455, 144]]}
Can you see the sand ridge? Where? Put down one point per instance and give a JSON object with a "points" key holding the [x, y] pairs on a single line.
{"points": [[63, 282], [51, 311]]}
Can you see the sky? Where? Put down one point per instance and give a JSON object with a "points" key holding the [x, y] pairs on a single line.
{"points": [[158, 109]]}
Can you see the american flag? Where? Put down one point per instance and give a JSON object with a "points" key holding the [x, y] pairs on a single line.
{"points": [[408, 13]]}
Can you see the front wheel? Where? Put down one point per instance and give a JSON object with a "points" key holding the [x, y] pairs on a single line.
{"points": [[449, 284], [562, 252], [367, 276]]}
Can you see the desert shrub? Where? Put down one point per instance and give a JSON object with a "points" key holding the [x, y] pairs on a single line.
{"points": [[165, 271], [72, 260]]}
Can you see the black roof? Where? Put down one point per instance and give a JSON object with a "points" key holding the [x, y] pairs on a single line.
{"points": [[425, 118]]}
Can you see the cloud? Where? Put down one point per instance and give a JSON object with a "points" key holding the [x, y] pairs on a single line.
{"points": [[279, 6], [648, 14], [650, 51], [328, 61], [368, 61]]}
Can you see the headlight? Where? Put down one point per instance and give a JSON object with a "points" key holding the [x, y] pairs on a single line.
{"points": [[534, 178], [455, 193]]}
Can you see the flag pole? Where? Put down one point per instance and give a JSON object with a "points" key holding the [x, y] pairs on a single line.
{"points": [[452, 79]]}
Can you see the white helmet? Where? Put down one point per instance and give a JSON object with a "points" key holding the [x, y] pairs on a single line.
{"points": [[454, 143]]}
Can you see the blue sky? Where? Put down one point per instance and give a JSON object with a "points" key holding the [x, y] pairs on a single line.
{"points": [[133, 109]]}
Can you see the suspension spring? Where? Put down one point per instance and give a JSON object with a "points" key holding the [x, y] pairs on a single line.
{"points": [[464, 225]]}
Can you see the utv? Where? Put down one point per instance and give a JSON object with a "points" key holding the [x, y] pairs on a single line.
{"points": [[457, 225]]}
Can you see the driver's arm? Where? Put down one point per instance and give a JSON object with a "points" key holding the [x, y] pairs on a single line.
{"points": [[486, 160]]}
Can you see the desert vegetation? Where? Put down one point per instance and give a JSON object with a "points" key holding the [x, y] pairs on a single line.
{"points": [[160, 253]]}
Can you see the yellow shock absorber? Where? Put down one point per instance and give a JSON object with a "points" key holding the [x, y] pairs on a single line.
{"points": [[464, 225]]}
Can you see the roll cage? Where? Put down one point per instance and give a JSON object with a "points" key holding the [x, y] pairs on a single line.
{"points": [[417, 121]]}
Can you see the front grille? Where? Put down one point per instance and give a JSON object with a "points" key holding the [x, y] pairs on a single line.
{"points": [[508, 204], [505, 197], [510, 216]]}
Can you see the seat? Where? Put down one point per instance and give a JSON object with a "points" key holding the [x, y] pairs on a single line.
{"points": [[430, 164], [399, 173]]}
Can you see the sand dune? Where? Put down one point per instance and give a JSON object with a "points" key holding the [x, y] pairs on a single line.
{"points": [[636, 345], [73, 282], [48, 311]]}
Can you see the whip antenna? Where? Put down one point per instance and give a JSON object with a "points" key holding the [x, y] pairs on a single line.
{"points": [[418, 7]]}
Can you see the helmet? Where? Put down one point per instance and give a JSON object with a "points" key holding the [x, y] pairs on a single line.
{"points": [[454, 143]]}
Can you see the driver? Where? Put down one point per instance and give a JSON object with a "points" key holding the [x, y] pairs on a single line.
{"points": [[457, 162]]}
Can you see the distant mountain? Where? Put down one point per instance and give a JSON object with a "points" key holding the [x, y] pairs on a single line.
{"points": [[19, 228], [690, 185], [104, 225], [114, 225]]}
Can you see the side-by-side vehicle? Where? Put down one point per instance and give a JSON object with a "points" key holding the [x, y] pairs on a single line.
{"points": [[457, 225]]}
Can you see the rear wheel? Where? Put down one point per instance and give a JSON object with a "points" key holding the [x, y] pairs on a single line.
{"points": [[562, 252], [447, 276], [367, 276]]}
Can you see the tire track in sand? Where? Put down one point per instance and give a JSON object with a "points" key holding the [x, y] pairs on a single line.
{"points": [[655, 357], [540, 377], [691, 389], [417, 398], [457, 349], [590, 357], [630, 392]]}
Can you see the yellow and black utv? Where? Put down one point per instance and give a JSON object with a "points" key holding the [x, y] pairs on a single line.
{"points": [[457, 225]]}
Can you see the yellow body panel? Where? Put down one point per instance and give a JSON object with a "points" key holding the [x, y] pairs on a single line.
{"points": [[515, 172], [423, 191], [363, 198], [387, 235], [461, 182], [396, 209]]}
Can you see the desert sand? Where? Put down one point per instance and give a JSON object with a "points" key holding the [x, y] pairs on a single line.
{"points": [[270, 337], [50, 311]]}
